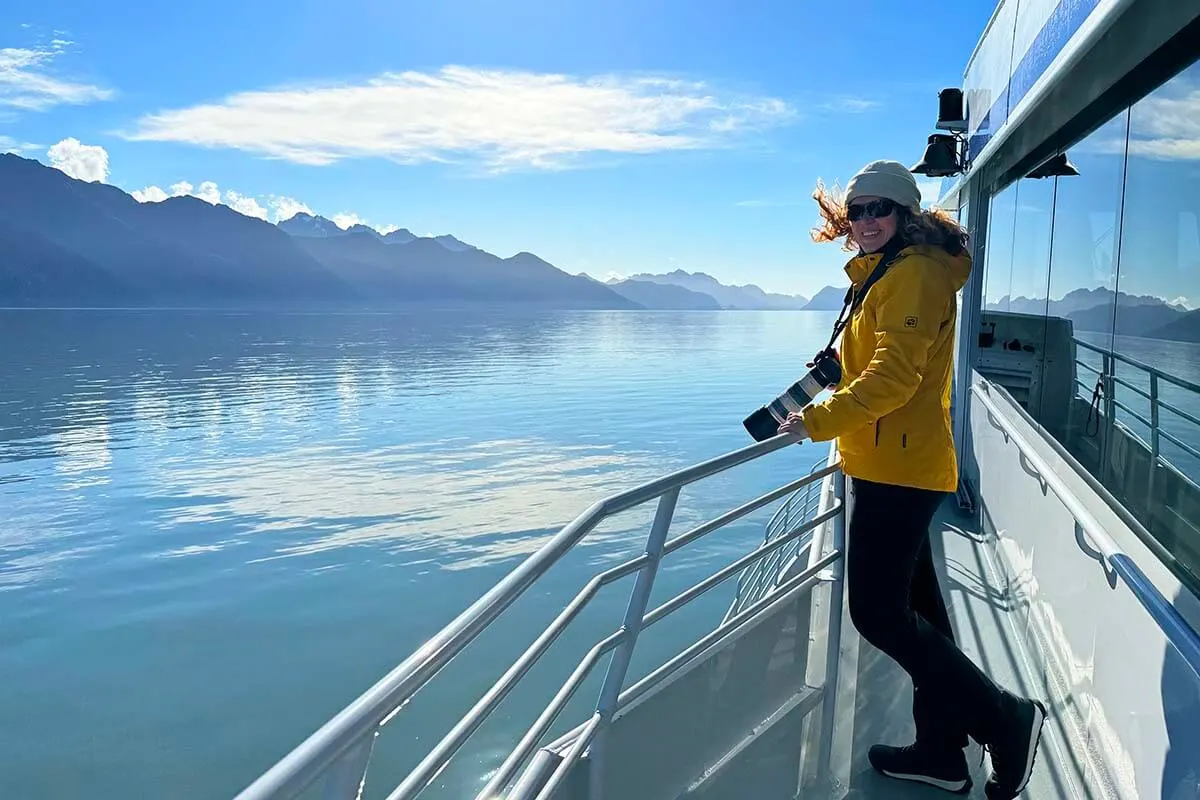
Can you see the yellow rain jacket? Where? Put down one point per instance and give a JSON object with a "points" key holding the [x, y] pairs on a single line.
{"points": [[891, 411]]}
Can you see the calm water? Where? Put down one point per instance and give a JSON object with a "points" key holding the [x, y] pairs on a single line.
{"points": [[216, 530]]}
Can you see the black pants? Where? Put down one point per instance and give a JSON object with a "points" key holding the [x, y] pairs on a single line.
{"points": [[897, 605]]}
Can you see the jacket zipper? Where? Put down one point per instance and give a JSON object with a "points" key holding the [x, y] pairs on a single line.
{"points": [[878, 424]]}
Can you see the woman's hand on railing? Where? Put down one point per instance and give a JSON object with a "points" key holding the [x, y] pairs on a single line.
{"points": [[794, 425]]}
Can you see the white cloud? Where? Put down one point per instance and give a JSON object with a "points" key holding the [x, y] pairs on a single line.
{"points": [[26, 82], [208, 192], [87, 162], [1164, 126], [345, 221], [1164, 149], [11, 145], [275, 208], [151, 194], [1182, 301], [1165, 123], [245, 205], [287, 207], [503, 119], [850, 105]]}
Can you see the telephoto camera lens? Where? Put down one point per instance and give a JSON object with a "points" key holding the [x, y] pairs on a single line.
{"points": [[764, 423]]}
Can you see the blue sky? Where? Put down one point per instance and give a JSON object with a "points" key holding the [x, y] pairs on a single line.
{"points": [[618, 137]]}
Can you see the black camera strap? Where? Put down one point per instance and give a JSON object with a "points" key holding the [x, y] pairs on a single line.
{"points": [[855, 299]]}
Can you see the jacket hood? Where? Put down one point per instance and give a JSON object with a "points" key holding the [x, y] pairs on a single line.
{"points": [[958, 267]]}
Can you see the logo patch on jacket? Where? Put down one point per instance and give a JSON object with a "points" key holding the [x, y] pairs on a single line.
{"points": [[910, 322]]}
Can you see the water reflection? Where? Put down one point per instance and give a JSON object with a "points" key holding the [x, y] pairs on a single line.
{"points": [[462, 440], [83, 452], [458, 504]]}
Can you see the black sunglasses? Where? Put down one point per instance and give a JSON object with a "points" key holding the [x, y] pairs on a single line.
{"points": [[872, 210]]}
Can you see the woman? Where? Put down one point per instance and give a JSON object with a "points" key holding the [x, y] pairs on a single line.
{"points": [[891, 417]]}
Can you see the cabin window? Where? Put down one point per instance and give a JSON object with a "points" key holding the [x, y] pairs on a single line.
{"points": [[999, 250], [1153, 460], [1080, 297], [1099, 273], [1029, 275]]}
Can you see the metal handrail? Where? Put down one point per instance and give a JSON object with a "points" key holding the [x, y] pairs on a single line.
{"points": [[1109, 380], [781, 519], [800, 506], [1173, 625], [340, 749], [1133, 362]]}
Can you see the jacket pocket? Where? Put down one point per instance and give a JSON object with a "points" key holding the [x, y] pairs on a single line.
{"points": [[878, 425], [904, 441]]}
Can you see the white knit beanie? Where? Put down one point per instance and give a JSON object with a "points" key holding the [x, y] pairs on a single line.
{"points": [[889, 179]]}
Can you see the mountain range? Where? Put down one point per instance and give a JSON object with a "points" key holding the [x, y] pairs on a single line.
{"points": [[1092, 310], [748, 296], [651, 294], [70, 243], [67, 242]]}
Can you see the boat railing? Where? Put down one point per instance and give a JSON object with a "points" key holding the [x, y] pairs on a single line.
{"points": [[336, 757], [799, 509], [1173, 625], [1153, 381]]}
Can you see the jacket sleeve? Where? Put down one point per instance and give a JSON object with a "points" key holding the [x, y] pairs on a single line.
{"points": [[909, 307]]}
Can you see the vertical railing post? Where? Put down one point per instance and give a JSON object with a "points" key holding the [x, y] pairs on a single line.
{"points": [[833, 653], [614, 680], [1106, 377], [1153, 441]]}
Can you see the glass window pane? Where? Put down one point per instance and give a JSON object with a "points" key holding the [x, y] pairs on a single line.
{"points": [[1014, 319], [998, 252], [1081, 292], [1155, 468], [1031, 247]]}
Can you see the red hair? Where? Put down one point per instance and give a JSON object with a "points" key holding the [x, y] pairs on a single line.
{"points": [[931, 226]]}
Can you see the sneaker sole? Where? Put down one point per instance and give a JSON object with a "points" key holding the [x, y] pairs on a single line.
{"points": [[956, 787], [1035, 741]]}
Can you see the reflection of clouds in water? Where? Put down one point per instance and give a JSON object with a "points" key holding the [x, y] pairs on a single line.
{"points": [[206, 413], [151, 408], [37, 564], [347, 391], [192, 550], [470, 506], [82, 451]]}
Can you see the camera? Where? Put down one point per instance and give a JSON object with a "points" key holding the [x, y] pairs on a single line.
{"points": [[826, 372]]}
